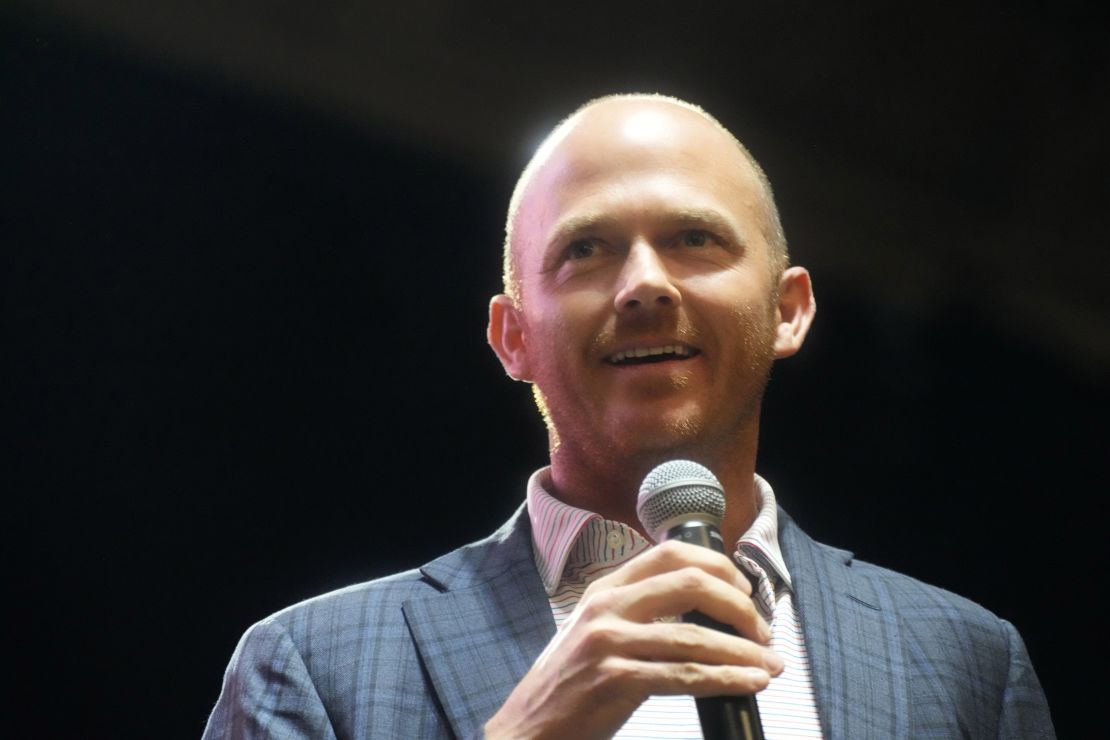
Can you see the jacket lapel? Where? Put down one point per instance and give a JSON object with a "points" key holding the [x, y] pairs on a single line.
{"points": [[481, 633], [853, 639]]}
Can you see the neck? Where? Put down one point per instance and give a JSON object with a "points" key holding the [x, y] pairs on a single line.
{"points": [[608, 485]]}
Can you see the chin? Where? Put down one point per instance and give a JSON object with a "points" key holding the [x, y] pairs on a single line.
{"points": [[660, 434]]}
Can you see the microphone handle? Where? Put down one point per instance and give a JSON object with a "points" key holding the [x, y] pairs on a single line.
{"points": [[726, 717], [721, 717]]}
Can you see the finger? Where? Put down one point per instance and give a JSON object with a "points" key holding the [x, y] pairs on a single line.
{"points": [[677, 642], [674, 593], [696, 679], [674, 555]]}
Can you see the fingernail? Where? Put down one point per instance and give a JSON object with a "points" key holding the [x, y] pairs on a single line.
{"points": [[773, 661]]}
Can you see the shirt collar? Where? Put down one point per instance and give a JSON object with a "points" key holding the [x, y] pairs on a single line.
{"points": [[565, 535], [763, 535], [562, 533]]}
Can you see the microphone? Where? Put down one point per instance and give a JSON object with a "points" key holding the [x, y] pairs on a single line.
{"points": [[682, 500]]}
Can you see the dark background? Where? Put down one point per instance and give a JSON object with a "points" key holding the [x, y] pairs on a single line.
{"points": [[247, 252]]}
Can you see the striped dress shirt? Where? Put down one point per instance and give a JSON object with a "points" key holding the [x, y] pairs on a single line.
{"points": [[573, 547]]}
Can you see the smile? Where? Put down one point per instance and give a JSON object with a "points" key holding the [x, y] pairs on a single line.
{"points": [[639, 355]]}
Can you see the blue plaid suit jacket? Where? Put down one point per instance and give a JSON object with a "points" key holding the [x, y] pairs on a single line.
{"points": [[434, 652]]}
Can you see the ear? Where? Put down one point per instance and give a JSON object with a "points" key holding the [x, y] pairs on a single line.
{"points": [[795, 312], [506, 336]]}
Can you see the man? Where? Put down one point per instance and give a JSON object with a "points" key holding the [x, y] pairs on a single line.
{"points": [[647, 293]]}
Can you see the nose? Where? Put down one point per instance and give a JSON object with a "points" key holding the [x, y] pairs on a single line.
{"points": [[644, 281]]}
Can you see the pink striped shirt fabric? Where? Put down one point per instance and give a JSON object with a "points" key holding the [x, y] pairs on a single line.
{"points": [[573, 547]]}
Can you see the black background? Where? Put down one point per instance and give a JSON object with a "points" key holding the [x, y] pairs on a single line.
{"points": [[248, 365]]}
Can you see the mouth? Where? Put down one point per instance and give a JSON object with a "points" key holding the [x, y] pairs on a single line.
{"points": [[649, 354]]}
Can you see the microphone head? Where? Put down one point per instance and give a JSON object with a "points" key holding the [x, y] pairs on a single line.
{"points": [[676, 492]]}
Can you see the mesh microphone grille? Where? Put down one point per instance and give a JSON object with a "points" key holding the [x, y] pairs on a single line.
{"points": [[679, 489]]}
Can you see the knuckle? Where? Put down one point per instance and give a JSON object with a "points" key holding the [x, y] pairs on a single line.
{"points": [[599, 638], [672, 552], [686, 637], [691, 578], [602, 583], [592, 590], [688, 674], [611, 671], [588, 611], [596, 604], [670, 547], [617, 677]]}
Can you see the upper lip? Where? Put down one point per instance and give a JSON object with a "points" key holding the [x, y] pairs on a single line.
{"points": [[643, 348]]}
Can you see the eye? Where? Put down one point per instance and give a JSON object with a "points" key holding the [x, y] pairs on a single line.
{"points": [[581, 249], [695, 238]]}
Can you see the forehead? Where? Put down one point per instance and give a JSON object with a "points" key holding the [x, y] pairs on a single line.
{"points": [[655, 153]]}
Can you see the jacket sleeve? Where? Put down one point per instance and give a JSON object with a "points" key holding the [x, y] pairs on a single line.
{"points": [[1024, 712], [267, 692]]}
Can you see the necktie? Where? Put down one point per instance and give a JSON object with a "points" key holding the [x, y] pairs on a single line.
{"points": [[750, 557]]}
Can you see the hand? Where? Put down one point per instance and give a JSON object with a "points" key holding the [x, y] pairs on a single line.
{"points": [[610, 655]]}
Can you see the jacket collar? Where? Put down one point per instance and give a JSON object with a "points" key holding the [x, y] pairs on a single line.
{"points": [[853, 639], [482, 631]]}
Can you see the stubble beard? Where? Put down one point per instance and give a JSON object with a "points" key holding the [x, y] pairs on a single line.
{"points": [[683, 435]]}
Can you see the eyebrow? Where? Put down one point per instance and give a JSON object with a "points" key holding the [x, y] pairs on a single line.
{"points": [[709, 218], [582, 223], [712, 219]]}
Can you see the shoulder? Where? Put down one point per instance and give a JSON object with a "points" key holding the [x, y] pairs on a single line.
{"points": [[347, 658], [350, 607], [961, 655], [372, 610], [950, 651], [934, 623], [321, 648], [917, 596], [937, 616], [874, 585], [913, 644]]}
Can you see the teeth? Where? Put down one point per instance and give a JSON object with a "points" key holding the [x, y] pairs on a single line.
{"points": [[679, 350]]}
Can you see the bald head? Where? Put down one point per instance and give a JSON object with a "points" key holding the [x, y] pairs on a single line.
{"points": [[637, 119]]}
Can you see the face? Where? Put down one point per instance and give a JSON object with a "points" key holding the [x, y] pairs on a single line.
{"points": [[648, 312]]}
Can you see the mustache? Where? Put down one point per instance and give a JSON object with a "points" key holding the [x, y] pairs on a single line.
{"points": [[611, 335]]}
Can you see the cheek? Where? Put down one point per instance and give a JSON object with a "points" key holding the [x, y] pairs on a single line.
{"points": [[549, 343], [566, 324], [755, 328]]}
